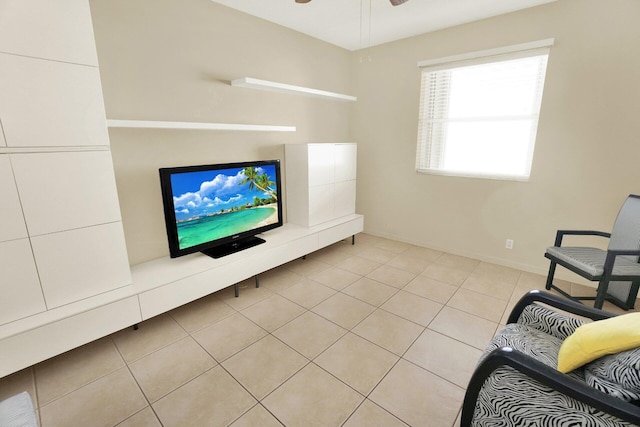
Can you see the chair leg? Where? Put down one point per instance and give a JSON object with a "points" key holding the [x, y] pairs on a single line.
{"points": [[633, 294], [552, 271], [602, 293]]}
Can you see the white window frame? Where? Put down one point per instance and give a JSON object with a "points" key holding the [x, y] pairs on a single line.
{"points": [[424, 162]]}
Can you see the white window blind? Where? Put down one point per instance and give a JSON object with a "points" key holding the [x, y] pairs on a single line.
{"points": [[479, 112]]}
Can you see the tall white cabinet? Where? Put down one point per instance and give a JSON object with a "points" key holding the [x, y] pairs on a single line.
{"points": [[62, 247], [324, 187]]}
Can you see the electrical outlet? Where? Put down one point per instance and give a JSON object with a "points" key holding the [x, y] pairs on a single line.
{"points": [[509, 244]]}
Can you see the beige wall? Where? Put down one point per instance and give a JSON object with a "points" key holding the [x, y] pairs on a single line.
{"points": [[173, 60], [586, 154]]}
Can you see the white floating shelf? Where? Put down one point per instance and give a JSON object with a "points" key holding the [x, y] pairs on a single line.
{"points": [[53, 149], [250, 82], [193, 125]]}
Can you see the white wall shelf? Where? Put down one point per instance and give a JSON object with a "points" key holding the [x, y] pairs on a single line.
{"points": [[145, 124], [58, 149], [250, 82]]}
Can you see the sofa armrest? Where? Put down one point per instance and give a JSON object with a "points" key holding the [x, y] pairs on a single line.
{"points": [[546, 375], [555, 301]]}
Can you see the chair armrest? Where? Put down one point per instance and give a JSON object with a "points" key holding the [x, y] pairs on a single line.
{"points": [[618, 252], [548, 376], [555, 301], [610, 260], [561, 233]]}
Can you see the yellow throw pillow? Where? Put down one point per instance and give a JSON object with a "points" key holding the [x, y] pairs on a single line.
{"points": [[593, 340]]}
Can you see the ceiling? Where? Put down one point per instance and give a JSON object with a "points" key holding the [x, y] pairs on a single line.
{"points": [[357, 24]]}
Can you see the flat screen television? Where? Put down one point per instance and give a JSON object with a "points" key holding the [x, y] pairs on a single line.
{"points": [[218, 209]]}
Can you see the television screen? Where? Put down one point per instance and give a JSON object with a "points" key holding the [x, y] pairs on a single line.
{"points": [[218, 209]]}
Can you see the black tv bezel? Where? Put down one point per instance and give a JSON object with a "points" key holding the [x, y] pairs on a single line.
{"points": [[238, 241]]}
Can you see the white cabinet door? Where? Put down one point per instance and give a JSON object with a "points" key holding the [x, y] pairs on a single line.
{"points": [[345, 162], [58, 30], [21, 292], [321, 164], [345, 198], [12, 225], [77, 264], [48, 103], [345, 187], [321, 204], [64, 191]]}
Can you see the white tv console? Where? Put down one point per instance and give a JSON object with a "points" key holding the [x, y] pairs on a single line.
{"points": [[164, 283], [158, 286]]}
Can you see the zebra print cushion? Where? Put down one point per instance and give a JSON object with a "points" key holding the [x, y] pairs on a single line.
{"points": [[549, 321], [527, 340], [531, 342], [616, 374], [510, 398]]}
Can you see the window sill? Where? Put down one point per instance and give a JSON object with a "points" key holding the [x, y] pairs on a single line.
{"points": [[462, 174]]}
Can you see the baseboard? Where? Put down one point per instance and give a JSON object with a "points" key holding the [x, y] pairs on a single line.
{"points": [[454, 251]]}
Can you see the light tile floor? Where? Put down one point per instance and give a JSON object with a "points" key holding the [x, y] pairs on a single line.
{"points": [[381, 333]]}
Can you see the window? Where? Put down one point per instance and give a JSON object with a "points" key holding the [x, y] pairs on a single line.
{"points": [[479, 112]]}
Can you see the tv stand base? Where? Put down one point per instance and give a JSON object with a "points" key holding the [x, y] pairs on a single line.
{"points": [[233, 247]]}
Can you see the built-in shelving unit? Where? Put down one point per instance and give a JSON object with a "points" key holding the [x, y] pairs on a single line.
{"points": [[250, 82], [146, 124]]}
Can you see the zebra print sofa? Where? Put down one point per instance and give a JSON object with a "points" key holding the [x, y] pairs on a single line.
{"points": [[516, 382]]}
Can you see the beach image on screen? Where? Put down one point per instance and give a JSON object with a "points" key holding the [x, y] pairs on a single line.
{"points": [[213, 204]]}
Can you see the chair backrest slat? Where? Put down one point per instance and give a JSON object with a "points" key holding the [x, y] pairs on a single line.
{"points": [[626, 229]]}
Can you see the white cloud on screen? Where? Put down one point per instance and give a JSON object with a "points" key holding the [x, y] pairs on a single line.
{"points": [[192, 202]]}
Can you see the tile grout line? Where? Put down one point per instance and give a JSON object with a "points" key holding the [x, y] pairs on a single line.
{"points": [[149, 405], [307, 310]]}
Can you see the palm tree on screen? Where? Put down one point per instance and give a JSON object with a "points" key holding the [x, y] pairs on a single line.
{"points": [[265, 182], [259, 181]]}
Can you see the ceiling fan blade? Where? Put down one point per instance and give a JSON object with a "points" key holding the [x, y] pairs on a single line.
{"points": [[303, 1]]}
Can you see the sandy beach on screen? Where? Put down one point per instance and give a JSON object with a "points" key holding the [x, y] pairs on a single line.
{"points": [[273, 218]]}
